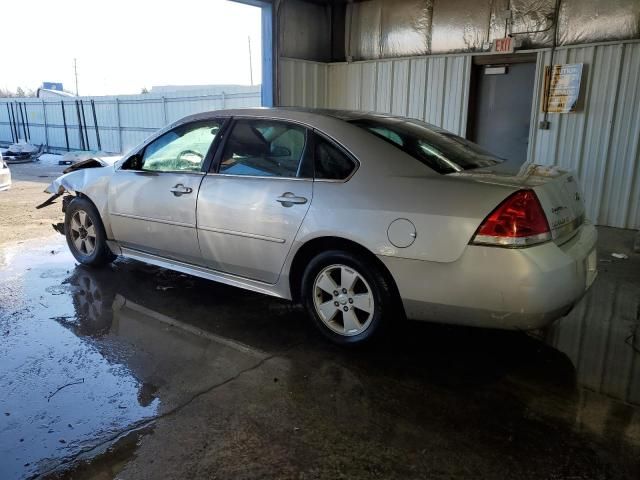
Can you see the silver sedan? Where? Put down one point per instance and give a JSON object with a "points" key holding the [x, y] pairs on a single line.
{"points": [[363, 218]]}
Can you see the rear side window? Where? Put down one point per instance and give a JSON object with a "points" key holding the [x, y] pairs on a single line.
{"points": [[264, 148], [330, 162], [440, 150]]}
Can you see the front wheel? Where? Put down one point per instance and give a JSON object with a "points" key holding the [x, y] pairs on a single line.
{"points": [[348, 298], [85, 234]]}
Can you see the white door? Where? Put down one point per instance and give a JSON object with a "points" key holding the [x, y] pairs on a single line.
{"points": [[250, 210], [152, 196]]}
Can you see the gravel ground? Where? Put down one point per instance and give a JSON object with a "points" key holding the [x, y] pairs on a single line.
{"points": [[19, 219]]}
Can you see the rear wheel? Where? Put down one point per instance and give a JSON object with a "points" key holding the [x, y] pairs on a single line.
{"points": [[348, 298], [85, 234]]}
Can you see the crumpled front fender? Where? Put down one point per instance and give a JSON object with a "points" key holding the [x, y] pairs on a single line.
{"points": [[92, 183]]}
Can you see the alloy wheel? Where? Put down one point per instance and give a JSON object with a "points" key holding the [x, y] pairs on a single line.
{"points": [[83, 232], [343, 300]]}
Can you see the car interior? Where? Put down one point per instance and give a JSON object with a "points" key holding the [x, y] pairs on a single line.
{"points": [[263, 149]]}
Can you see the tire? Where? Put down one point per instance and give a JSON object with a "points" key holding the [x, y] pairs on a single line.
{"points": [[343, 318], [85, 234]]}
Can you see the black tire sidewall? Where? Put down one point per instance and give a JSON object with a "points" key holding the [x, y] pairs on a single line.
{"points": [[374, 277], [101, 254]]}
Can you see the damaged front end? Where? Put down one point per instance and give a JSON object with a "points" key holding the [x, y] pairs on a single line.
{"points": [[89, 178]]}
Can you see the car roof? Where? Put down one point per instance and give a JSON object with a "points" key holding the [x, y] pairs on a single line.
{"points": [[312, 116]]}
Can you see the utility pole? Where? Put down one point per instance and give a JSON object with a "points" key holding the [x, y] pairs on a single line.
{"points": [[250, 62], [75, 71]]}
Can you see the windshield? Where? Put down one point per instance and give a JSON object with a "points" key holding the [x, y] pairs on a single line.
{"points": [[440, 150]]}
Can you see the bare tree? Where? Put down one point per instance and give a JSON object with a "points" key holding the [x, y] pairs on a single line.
{"points": [[4, 93], [19, 93]]}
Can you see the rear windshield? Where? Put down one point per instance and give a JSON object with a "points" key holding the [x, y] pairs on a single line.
{"points": [[440, 150]]}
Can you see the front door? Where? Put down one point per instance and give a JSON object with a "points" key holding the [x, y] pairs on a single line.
{"points": [[501, 113], [251, 207], [152, 196]]}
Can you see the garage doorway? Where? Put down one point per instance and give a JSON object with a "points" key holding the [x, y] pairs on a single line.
{"points": [[500, 106]]}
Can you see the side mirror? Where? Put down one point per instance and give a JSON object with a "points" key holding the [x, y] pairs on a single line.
{"points": [[134, 162]]}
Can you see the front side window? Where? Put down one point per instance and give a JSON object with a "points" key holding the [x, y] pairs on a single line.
{"points": [[265, 148], [182, 149]]}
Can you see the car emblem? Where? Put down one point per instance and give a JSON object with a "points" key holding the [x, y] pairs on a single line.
{"points": [[577, 197], [558, 209]]}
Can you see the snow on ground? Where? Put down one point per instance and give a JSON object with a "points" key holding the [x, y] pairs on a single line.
{"points": [[74, 157], [49, 159]]}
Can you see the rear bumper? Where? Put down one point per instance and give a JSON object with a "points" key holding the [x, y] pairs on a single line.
{"points": [[498, 287]]}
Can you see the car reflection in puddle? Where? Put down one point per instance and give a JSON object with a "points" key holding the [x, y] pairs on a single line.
{"points": [[80, 363], [60, 394]]}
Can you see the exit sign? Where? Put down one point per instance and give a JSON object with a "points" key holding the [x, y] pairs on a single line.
{"points": [[503, 45]]}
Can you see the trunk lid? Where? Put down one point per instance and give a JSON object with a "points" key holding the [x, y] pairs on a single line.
{"points": [[557, 190]]}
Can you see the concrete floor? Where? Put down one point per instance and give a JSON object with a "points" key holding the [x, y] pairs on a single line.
{"points": [[19, 219], [138, 372]]}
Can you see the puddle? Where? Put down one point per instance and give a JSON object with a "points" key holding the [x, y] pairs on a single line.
{"points": [[80, 363], [88, 355], [59, 392]]}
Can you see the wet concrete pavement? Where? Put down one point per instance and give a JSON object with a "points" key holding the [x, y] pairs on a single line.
{"points": [[137, 372]]}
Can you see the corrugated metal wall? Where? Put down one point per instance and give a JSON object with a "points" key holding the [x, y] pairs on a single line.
{"points": [[123, 121], [434, 89], [302, 83], [601, 142]]}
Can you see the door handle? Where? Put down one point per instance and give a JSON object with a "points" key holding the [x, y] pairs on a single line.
{"points": [[289, 199], [180, 190]]}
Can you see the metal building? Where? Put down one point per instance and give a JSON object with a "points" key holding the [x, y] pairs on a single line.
{"points": [[477, 68]]}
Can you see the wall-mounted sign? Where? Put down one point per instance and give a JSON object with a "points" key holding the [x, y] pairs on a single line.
{"points": [[562, 88], [499, 70]]}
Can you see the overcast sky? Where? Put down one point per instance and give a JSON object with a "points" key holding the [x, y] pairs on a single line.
{"points": [[124, 45]]}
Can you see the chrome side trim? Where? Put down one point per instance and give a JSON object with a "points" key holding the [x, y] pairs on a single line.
{"points": [[154, 220], [242, 234], [202, 272], [158, 172], [263, 177]]}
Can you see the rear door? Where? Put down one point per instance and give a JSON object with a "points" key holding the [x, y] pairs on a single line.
{"points": [[501, 113], [252, 204], [152, 196]]}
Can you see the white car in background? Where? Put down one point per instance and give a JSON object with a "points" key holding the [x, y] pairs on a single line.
{"points": [[5, 175]]}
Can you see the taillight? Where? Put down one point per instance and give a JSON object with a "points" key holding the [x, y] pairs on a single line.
{"points": [[518, 221]]}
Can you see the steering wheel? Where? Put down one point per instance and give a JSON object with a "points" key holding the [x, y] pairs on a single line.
{"points": [[183, 164], [190, 152]]}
